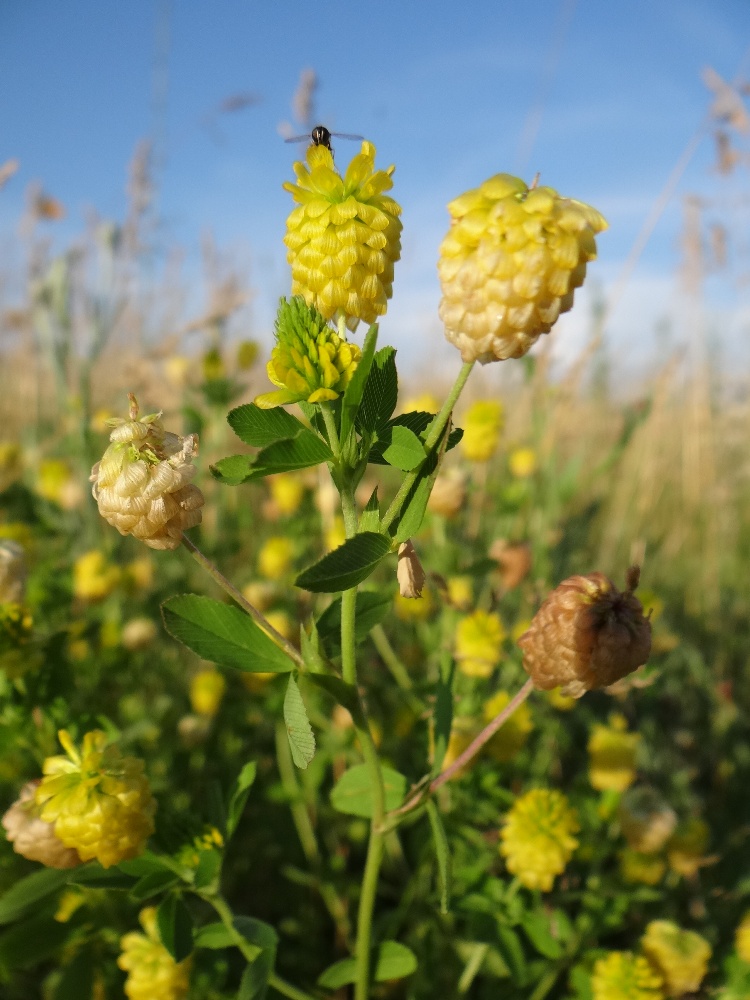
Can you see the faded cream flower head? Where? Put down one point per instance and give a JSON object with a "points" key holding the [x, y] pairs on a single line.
{"points": [[31, 837], [509, 265], [345, 235], [142, 483]]}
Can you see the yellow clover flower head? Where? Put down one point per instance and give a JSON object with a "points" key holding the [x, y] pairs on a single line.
{"points": [[206, 691], [621, 975], [99, 801], [482, 426], [680, 957], [275, 557], [509, 265], [93, 577], [512, 735], [310, 363], [152, 972], [142, 483], [538, 838], [612, 751], [742, 938], [478, 643], [522, 462], [344, 237]]}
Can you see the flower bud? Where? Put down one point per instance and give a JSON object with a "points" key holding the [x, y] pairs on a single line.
{"points": [[411, 578], [142, 483], [586, 635], [31, 837], [509, 265]]}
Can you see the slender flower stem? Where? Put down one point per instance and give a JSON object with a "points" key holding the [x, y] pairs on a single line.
{"points": [[398, 671], [473, 748], [250, 952], [231, 590], [333, 435], [434, 432]]}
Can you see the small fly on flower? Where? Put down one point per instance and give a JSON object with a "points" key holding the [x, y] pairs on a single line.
{"points": [[321, 136]]}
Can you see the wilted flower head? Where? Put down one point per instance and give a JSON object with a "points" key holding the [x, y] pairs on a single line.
{"points": [[310, 363], [142, 483], [621, 975], [647, 821], [344, 237], [509, 265], [411, 577], [478, 643], [12, 572], [31, 837], [513, 559], [482, 425], [679, 956], [612, 750], [538, 838], [152, 972], [687, 846], [448, 494], [138, 633], [586, 635], [99, 802]]}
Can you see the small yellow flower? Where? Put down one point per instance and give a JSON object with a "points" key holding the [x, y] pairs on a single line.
{"points": [[612, 751], [70, 901], [213, 365], [562, 702], [260, 594], [680, 957], [93, 577], [482, 426], [344, 237], [646, 869], [742, 938], [687, 847], [283, 624], [152, 972], [56, 483], [621, 975], [478, 643], [139, 573], [177, 370], [287, 491], [509, 265], [424, 403], [335, 534], [512, 735], [275, 557], [99, 802], [538, 838], [142, 483], [522, 462], [415, 609], [247, 354], [206, 691], [460, 592]]}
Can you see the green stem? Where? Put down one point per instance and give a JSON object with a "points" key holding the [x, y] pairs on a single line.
{"points": [[205, 563], [434, 433], [250, 952], [333, 435], [398, 671]]}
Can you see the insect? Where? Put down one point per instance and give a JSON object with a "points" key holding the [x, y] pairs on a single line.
{"points": [[321, 136]]}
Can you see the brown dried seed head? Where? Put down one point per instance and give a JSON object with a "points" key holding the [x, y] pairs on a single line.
{"points": [[513, 559], [586, 635]]}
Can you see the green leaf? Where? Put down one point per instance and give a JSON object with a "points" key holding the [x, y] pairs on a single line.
{"points": [[213, 936], [381, 392], [392, 960], [345, 694], [300, 452], [352, 793], [30, 890], [223, 634], [77, 979], [259, 428], [209, 867], [443, 713], [32, 941], [232, 470], [254, 982], [145, 864], [152, 885], [356, 388], [401, 448], [175, 927], [372, 607], [96, 877], [538, 930], [370, 518], [298, 728], [510, 948], [256, 932], [346, 566], [412, 512], [442, 854], [416, 421], [239, 795]]}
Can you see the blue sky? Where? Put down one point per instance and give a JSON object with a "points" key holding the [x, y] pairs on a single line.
{"points": [[444, 90]]}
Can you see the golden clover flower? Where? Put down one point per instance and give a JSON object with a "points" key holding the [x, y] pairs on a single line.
{"points": [[482, 426], [93, 577], [275, 557], [310, 362], [612, 751], [206, 691], [142, 483], [31, 837], [152, 972], [522, 462], [679, 956], [621, 975], [345, 235], [687, 846], [12, 572], [99, 801], [56, 483], [587, 634], [512, 735], [538, 838], [478, 643], [646, 869], [509, 265], [742, 938], [287, 492]]}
